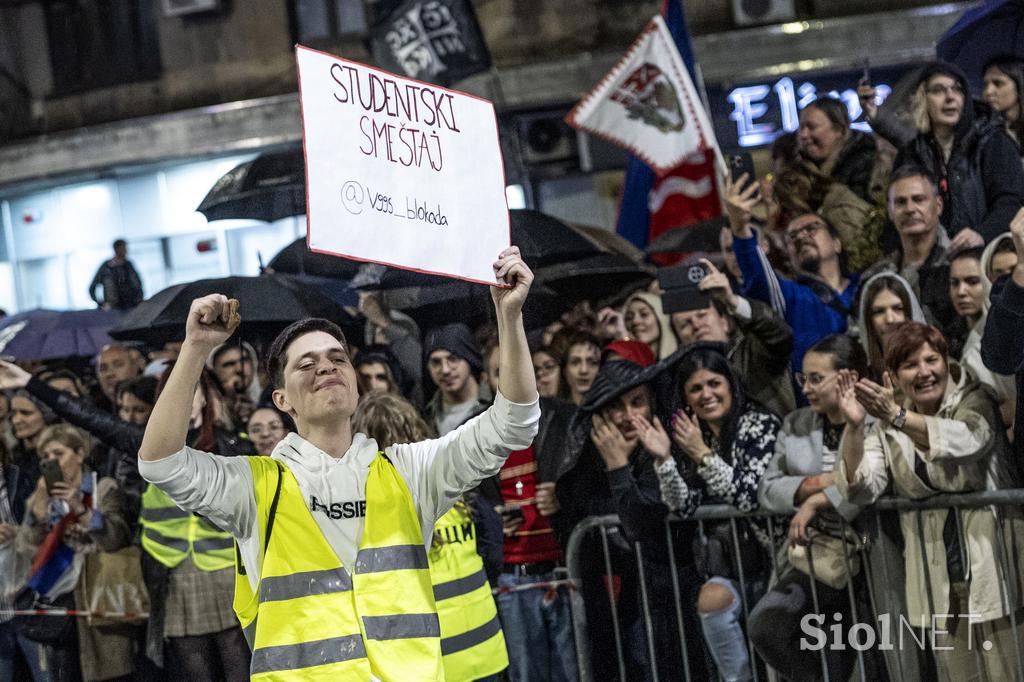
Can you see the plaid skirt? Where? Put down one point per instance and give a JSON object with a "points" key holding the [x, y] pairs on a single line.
{"points": [[199, 602]]}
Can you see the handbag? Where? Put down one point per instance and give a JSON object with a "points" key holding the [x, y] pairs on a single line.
{"points": [[829, 557], [44, 629], [112, 583]]}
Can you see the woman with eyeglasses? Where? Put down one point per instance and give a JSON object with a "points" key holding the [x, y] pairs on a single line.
{"points": [[800, 481], [547, 371], [964, 144]]}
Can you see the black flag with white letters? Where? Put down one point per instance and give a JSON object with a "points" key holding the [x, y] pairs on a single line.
{"points": [[437, 41]]}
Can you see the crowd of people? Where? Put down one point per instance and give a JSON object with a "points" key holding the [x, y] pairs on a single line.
{"points": [[862, 338]]}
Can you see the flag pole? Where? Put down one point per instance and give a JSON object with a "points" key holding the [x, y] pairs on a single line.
{"points": [[500, 102]]}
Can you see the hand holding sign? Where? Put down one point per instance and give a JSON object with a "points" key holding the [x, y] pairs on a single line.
{"points": [[400, 172]]}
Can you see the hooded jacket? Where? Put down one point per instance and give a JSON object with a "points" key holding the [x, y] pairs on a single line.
{"points": [[437, 472], [982, 182], [867, 335], [667, 343], [1004, 385], [854, 166]]}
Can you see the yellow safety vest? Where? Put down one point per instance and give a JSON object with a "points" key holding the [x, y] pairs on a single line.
{"points": [[312, 618], [472, 644], [169, 534]]}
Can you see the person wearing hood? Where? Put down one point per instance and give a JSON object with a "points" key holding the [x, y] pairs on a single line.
{"points": [[1003, 78], [887, 302], [964, 145], [921, 256], [454, 362], [234, 367], [331, 531], [379, 370], [610, 470], [969, 290], [826, 140], [944, 436], [646, 321], [401, 334]]}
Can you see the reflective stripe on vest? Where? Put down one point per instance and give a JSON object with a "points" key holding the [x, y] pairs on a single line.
{"points": [[170, 534], [313, 619], [472, 643]]}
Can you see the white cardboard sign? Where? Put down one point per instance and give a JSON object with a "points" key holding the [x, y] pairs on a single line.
{"points": [[400, 172]]}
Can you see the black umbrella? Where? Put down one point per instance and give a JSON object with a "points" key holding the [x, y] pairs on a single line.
{"points": [[54, 334], [600, 278], [545, 240], [297, 259], [270, 187], [702, 236], [267, 305], [992, 29]]}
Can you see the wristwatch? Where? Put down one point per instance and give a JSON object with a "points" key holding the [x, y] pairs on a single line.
{"points": [[900, 419]]}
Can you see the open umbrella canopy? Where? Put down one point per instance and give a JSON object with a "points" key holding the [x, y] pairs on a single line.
{"points": [[270, 187], [297, 259], [267, 304], [54, 334], [994, 28], [599, 279]]}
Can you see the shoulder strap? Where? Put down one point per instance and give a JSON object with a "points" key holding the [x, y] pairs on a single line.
{"points": [[825, 294], [270, 521]]}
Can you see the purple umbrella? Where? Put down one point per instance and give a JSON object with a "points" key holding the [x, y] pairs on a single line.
{"points": [[52, 334]]}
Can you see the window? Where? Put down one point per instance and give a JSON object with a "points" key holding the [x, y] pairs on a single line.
{"points": [[322, 21], [98, 43]]}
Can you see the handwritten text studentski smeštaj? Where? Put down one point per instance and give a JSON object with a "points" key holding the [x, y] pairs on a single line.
{"points": [[402, 119]]}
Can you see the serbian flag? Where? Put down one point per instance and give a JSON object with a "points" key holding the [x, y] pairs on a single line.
{"points": [[670, 179]]}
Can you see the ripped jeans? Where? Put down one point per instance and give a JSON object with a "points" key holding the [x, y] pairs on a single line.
{"points": [[723, 631]]}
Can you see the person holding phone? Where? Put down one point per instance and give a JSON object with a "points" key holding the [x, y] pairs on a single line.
{"points": [[758, 338], [818, 300], [72, 515]]}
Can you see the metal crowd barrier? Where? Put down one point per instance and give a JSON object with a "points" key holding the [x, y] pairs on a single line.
{"points": [[900, 665]]}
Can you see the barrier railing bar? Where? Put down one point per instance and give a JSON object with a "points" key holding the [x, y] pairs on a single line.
{"points": [[743, 595], [645, 602], [854, 615], [579, 610], [608, 581], [677, 594]]}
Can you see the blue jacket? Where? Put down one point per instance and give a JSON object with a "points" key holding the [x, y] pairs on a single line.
{"points": [[801, 303]]}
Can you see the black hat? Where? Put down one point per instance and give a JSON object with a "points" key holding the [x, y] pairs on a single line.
{"points": [[612, 380], [457, 340]]}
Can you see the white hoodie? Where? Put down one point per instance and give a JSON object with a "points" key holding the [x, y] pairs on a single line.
{"points": [[437, 472]]}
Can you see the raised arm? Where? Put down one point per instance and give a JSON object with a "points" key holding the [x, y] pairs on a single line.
{"points": [[441, 470], [206, 328]]}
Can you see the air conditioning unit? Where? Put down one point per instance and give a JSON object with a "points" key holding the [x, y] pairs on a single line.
{"points": [[177, 8], [754, 12], [546, 138]]}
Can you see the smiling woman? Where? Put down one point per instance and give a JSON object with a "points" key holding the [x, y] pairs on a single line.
{"points": [[947, 436]]}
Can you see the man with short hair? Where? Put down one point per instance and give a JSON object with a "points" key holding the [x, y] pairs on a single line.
{"points": [[117, 363], [454, 363], [234, 366], [759, 340], [922, 258], [333, 581], [122, 288], [817, 301]]}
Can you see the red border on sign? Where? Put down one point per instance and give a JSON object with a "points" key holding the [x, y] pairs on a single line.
{"points": [[305, 161]]}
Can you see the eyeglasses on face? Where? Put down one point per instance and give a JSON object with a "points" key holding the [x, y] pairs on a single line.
{"points": [[809, 230], [813, 379], [546, 368]]}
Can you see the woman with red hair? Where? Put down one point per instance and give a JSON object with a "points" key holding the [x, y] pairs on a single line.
{"points": [[945, 437]]}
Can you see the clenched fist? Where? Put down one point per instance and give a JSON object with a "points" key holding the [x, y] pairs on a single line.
{"points": [[211, 320]]}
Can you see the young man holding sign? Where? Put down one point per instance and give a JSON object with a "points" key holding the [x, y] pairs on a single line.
{"points": [[333, 581]]}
